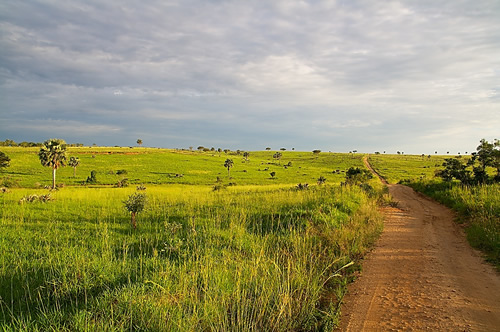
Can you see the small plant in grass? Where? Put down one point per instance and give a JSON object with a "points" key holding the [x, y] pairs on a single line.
{"points": [[273, 174], [301, 186], [135, 204], [35, 198], [321, 180], [92, 179], [122, 183], [121, 171], [141, 187]]}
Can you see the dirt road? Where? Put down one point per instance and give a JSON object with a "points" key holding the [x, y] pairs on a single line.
{"points": [[422, 275]]}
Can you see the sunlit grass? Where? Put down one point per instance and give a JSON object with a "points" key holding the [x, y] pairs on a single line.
{"points": [[164, 166], [242, 258]]}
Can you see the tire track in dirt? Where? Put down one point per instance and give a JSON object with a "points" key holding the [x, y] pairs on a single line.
{"points": [[422, 275]]}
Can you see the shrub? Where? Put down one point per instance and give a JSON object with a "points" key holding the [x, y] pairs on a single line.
{"points": [[122, 183], [35, 198], [301, 186], [135, 204], [92, 179]]}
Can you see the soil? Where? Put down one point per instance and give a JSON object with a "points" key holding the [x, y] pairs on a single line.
{"points": [[422, 275]]}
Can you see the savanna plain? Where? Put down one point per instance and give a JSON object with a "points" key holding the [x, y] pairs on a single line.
{"points": [[268, 243]]}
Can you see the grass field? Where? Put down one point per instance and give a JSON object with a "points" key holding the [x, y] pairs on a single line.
{"points": [[396, 168], [161, 166], [260, 255]]}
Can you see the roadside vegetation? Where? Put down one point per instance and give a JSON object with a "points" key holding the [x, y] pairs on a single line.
{"points": [[168, 251]]}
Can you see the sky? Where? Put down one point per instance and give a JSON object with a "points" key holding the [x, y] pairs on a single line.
{"points": [[412, 76]]}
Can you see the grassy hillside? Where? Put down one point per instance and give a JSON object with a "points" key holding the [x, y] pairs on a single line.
{"points": [[161, 166], [396, 168]]}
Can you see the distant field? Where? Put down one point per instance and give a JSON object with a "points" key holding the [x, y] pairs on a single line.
{"points": [[395, 168], [162, 166]]}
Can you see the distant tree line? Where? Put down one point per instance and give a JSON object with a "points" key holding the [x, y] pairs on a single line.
{"points": [[9, 142]]}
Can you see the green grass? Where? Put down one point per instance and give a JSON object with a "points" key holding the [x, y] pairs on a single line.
{"points": [[253, 257], [161, 166], [260, 255], [396, 168]]}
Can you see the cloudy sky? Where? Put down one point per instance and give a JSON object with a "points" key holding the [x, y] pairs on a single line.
{"points": [[414, 76]]}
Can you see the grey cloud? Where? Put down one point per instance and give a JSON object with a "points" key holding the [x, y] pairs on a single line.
{"points": [[310, 73]]}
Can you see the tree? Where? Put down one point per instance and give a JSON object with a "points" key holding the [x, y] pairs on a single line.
{"points": [[316, 151], [135, 204], [228, 164], [246, 155], [139, 142], [487, 155], [268, 149], [454, 169], [4, 160], [283, 149], [53, 154], [356, 175], [74, 162], [278, 156]]}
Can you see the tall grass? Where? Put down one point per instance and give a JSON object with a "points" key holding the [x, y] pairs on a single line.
{"points": [[244, 258]]}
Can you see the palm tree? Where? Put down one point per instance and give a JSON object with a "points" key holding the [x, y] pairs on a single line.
{"points": [[228, 164], [74, 162], [246, 155], [321, 180], [139, 142], [53, 154]]}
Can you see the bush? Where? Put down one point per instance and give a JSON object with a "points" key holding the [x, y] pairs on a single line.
{"points": [[301, 186], [35, 198], [122, 183], [135, 204], [92, 179]]}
